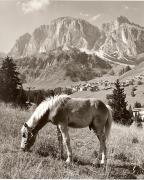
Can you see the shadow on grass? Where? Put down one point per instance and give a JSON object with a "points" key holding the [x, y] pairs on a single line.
{"points": [[122, 171], [53, 151], [126, 171], [81, 161], [47, 150], [122, 157]]}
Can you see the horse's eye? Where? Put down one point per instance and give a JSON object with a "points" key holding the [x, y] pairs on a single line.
{"points": [[30, 134], [24, 136]]}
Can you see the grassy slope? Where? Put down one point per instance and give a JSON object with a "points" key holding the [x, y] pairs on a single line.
{"points": [[139, 97], [125, 158], [139, 69]]}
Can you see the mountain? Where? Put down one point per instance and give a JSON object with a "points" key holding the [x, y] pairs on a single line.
{"points": [[71, 50], [119, 41], [124, 41], [65, 31], [136, 73], [61, 67], [20, 45]]}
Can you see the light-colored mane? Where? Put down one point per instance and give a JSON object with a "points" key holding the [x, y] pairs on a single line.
{"points": [[47, 104]]}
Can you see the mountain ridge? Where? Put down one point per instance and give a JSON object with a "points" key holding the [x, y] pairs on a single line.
{"points": [[119, 40], [64, 31]]}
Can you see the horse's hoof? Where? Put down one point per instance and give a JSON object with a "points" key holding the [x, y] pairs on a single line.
{"points": [[68, 161], [98, 165]]}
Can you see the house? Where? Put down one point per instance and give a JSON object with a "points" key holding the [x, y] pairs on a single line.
{"points": [[138, 112]]}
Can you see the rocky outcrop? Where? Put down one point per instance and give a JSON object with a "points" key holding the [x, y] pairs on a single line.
{"points": [[124, 40], [119, 40], [20, 46], [62, 32]]}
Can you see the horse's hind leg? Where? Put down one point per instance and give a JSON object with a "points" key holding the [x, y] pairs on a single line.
{"points": [[102, 151], [66, 140], [59, 135]]}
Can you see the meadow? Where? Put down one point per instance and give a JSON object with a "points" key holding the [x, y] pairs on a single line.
{"points": [[125, 151]]}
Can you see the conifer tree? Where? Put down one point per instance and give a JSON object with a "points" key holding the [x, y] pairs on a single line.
{"points": [[10, 83], [119, 105]]}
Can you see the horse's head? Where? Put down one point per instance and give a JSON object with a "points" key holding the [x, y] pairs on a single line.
{"points": [[28, 137]]}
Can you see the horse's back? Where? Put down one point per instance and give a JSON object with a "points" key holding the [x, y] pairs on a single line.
{"points": [[81, 112]]}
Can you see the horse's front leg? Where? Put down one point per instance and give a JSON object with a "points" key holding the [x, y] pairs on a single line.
{"points": [[59, 135], [102, 151], [66, 140]]}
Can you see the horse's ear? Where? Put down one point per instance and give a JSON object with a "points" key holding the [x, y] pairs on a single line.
{"points": [[25, 125]]}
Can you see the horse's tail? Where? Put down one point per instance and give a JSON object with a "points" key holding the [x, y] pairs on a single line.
{"points": [[109, 121]]}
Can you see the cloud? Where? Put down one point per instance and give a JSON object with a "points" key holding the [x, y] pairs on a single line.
{"points": [[29, 6], [84, 14], [94, 18], [129, 8]]}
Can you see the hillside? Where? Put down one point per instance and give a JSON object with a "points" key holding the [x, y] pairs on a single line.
{"points": [[58, 67], [53, 55], [139, 94], [136, 72]]}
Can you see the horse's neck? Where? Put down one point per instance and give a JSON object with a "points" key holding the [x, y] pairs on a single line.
{"points": [[31, 122], [40, 112], [37, 123]]}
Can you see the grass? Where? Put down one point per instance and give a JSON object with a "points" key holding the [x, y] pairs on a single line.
{"points": [[125, 151], [139, 97]]}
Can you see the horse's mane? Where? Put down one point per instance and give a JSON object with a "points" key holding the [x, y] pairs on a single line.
{"points": [[48, 104]]}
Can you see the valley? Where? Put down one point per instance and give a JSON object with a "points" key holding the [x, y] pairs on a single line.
{"points": [[85, 49], [71, 50]]}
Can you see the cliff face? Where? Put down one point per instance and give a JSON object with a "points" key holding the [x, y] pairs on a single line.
{"points": [[66, 32], [53, 52], [37, 38], [20, 45], [119, 40], [124, 40]]}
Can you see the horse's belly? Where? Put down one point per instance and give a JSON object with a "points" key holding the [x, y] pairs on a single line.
{"points": [[79, 121], [79, 113]]}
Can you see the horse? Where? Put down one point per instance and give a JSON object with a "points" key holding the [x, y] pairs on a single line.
{"points": [[64, 112]]}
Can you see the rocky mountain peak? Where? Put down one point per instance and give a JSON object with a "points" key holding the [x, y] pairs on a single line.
{"points": [[122, 19], [119, 40], [64, 31], [20, 45]]}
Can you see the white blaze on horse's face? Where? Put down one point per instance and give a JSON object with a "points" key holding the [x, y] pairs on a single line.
{"points": [[28, 138]]}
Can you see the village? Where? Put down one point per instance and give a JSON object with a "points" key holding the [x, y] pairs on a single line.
{"points": [[106, 85]]}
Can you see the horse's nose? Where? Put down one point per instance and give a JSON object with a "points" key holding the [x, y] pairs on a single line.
{"points": [[23, 149]]}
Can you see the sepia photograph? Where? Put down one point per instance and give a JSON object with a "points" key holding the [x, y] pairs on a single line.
{"points": [[71, 89]]}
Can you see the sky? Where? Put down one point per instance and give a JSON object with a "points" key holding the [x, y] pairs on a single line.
{"points": [[20, 16]]}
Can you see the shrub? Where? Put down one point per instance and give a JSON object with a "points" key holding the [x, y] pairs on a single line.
{"points": [[137, 105], [132, 93], [139, 82]]}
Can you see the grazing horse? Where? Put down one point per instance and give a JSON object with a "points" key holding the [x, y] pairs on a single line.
{"points": [[64, 111]]}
